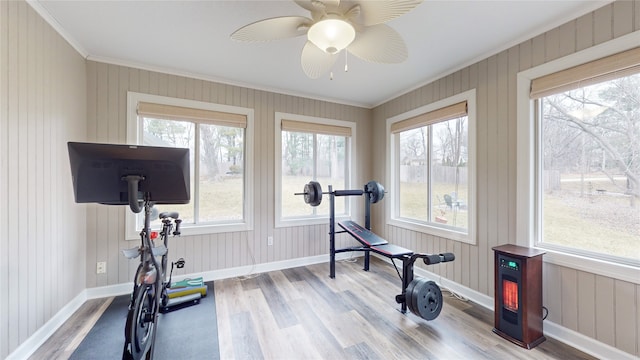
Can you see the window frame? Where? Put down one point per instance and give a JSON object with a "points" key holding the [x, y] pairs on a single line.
{"points": [[392, 204], [352, 211], [134, 132], [527, 183]]}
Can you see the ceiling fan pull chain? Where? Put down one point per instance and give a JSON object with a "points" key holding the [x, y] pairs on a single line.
{"points": [[346, 61]]}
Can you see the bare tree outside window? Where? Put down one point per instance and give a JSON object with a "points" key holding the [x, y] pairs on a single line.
{"points": [[590, 156], [433, 174], [311, 156], [219, 188]]}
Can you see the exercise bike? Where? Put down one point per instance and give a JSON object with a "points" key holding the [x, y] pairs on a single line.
{"points": [[138, 176], [150, 285]]}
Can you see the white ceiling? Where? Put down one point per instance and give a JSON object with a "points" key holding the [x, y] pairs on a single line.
{"points": [[191, 38]]}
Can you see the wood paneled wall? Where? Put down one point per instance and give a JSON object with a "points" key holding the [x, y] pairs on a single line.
{"points": [[598, 307], [107, 87], [42, 234]]}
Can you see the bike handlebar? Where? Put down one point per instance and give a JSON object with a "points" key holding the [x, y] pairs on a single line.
{"points": [[438, 258], [177, 232], [166, 214]]}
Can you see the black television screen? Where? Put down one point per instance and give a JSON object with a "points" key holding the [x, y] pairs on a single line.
{"points": [[98, 170]]}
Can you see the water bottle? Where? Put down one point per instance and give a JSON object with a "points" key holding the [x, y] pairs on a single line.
{"points": [[147, 274]]}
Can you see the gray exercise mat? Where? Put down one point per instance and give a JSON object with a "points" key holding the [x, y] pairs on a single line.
{"points": [[187, 333]]}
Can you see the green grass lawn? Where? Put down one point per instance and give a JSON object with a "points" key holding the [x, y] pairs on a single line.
{"points": [[566, 225], [220, 200], [579, 216], [413, 203]]}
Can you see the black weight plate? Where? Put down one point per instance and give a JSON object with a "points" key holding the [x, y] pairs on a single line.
{"points": [[427, 300], [409, 297], [419, 284], [313, 193], [417, 290], [375, 190]]}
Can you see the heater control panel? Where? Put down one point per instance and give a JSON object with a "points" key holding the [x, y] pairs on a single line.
{"points": [[509, 264]]}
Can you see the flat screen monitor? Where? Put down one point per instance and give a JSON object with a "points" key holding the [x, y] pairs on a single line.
{"points": [[98, 170]]}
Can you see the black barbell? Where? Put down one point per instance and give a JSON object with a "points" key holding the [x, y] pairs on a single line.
{"points": [[313, 192]]}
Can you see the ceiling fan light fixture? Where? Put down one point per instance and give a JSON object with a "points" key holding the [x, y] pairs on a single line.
{"points": [[331, 35]]}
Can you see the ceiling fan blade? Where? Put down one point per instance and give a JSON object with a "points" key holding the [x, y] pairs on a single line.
{"points": [[378, 12], [317, 5], [379, 44], [316, 62], [273, 29]]}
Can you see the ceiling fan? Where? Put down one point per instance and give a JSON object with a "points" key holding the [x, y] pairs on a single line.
{"points": [[355, 26]]}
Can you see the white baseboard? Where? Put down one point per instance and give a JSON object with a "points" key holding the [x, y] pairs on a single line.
{"points": [[266, 267], [584, 343], [109, 290], [475, 296], [123, 289], [38, 338]]}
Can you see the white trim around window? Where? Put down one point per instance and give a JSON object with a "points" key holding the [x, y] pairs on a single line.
{"points": [[526, 168], [393, 179], [134, 132], [279, 221]]}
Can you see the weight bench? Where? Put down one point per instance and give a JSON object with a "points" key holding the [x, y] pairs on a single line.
{"points": [[371, 242], [419, 295], [422, 297]]}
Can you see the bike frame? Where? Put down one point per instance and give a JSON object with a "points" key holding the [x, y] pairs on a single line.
{"points": [[141, 320]]}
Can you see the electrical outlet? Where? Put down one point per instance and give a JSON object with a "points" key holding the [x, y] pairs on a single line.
{"points": [[270, 240], [101, 267]]}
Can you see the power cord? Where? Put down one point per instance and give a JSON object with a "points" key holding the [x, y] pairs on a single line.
{"points": [[250, 274], [351, 258], [454, 295]]}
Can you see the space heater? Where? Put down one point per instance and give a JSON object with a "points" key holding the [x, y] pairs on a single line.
{"points": [[518, 295]]}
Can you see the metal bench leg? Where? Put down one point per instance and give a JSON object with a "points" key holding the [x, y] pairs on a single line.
{"points": [[366, 260]]}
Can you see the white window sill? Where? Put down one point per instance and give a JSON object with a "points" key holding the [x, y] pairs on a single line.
{"points": [[432, 230], [320, 220], [599, 267], [190, 229]]}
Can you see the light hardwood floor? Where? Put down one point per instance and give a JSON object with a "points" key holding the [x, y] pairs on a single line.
{"points": [[301, 313]]}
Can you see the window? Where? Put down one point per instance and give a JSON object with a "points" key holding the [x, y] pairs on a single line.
{"points": [[218, 138], [589, 168], [579, 159], [432, 162], [309, 148]]}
